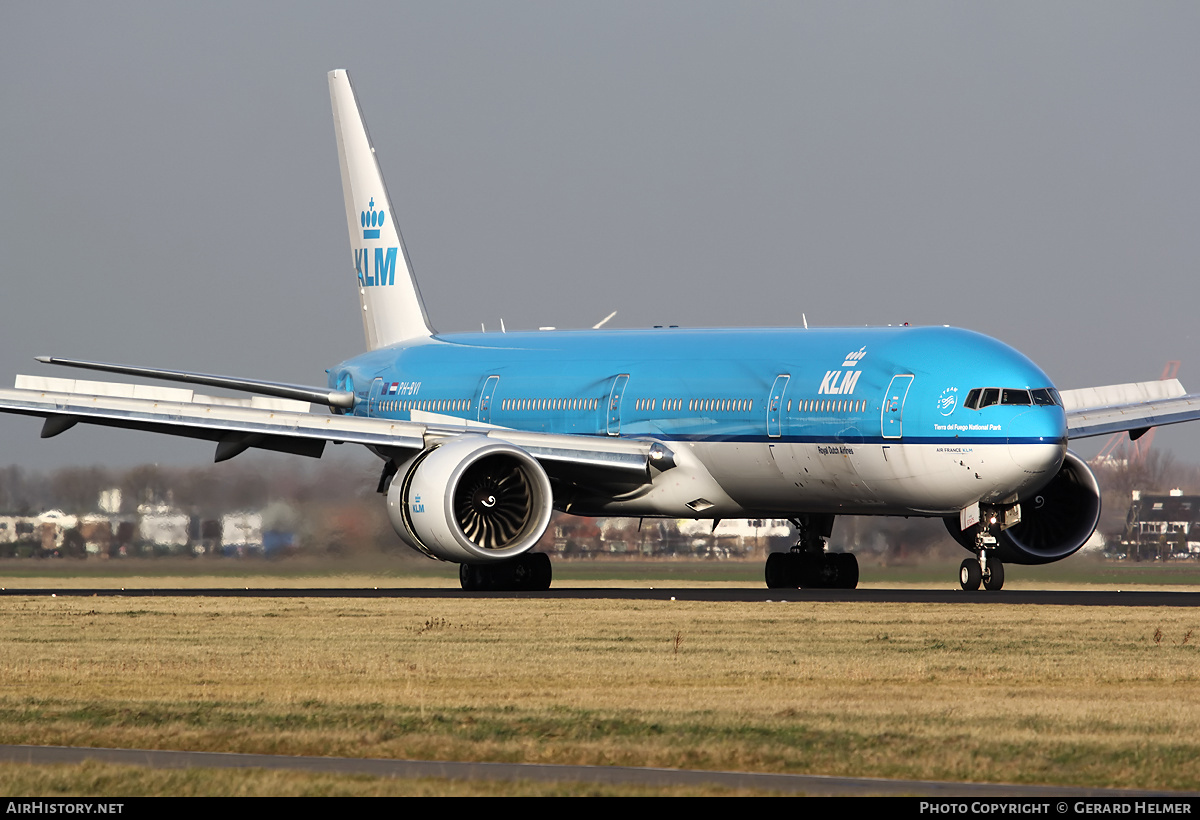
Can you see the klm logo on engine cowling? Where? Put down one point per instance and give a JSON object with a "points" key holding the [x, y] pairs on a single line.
{"points": [[842, 382], [383, 272]]}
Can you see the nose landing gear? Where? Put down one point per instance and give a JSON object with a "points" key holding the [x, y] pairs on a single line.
{"points": [[985, 567]]}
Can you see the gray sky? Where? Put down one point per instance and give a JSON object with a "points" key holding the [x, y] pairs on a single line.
{"points": [[171, 192]]}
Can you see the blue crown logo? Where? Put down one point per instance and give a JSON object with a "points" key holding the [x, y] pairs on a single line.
{"points": [[372, 220]]}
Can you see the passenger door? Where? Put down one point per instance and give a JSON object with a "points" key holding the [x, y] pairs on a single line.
{"points": [[485, 399], [614, 404], [775, 405], [892, 420]]}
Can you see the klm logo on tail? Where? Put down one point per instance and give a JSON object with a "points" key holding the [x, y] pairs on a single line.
{"points": [[384, 271], [372, 220]]}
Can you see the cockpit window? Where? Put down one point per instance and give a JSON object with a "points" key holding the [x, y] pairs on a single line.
{"points": [[1046, 396], [981, 397]]}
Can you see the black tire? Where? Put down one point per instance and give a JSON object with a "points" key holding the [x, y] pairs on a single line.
{"points": [[847, 575], [813, 571], [969, 574], [779, 571], [995, 576], [530, 572], [473, 577], [540, 573]]}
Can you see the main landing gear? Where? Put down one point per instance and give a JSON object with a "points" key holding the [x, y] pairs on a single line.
{"points": [[529, 572], [808, 565]]}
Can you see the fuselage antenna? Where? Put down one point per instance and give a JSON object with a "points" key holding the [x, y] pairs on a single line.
{"points": [[600, 324]]}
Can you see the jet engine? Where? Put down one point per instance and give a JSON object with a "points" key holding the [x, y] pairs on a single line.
{"points": [[1055, 521], [470, 500]]}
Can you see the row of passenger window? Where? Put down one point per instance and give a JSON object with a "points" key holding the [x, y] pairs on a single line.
{"points": [[980, 397], [549, 404], [694, 405], [828, 406], [747, 405], [721, 405], [425, 404]]}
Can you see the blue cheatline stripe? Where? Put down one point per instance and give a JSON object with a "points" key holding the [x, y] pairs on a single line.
{"points": [[949, 442], [762, 439], [371, 234]]}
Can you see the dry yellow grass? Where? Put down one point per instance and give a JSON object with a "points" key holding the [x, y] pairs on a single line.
{"points": [[1071, 695], [101, 780]]}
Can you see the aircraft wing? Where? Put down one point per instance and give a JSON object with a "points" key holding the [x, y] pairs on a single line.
{"points": [[1134, 407], [289, 426]]}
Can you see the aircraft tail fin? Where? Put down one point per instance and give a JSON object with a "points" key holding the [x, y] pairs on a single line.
{"points": [[392, 308]]}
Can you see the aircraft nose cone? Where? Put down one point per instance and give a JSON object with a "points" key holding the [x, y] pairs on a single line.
{"points": [[1037, 441]]}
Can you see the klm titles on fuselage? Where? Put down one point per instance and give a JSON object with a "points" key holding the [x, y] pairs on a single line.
{"points": [[842, 382], [839, 382]]}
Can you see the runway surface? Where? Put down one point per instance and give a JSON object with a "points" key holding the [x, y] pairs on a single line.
{"points": [[730, 594], [816, 785]]}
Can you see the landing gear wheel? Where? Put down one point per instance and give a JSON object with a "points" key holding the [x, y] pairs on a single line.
{"points": [[474, 577], [830, 570], [995, 575], [779, 571], [530, 572], [847, 570], [539, 571], [969, 574]]}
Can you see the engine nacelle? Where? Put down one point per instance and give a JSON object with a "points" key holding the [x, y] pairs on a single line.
{"points": [[471, 500], [1055, 521]]}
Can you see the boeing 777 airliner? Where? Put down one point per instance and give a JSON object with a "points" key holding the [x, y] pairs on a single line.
{"points": [[482, 435]]}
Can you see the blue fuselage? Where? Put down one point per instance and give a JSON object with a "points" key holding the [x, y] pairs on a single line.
{"points": [[867, 420]]}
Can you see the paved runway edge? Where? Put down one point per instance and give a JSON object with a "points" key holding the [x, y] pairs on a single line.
{"points": [[816, 785], [723, 594]]}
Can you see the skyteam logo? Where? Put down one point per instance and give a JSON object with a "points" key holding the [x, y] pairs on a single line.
{"points": [[384, 270], [842, 382], [372, 220], [948, 401]]}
